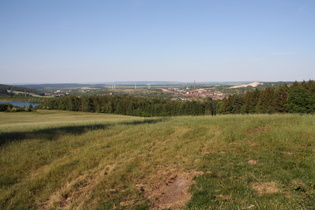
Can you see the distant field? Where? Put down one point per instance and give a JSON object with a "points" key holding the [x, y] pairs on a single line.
{"points": [[73, 160], [32, 94], [50, 118]]}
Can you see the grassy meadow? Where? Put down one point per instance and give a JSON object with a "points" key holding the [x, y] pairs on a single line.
{"points": [[76, 160]]}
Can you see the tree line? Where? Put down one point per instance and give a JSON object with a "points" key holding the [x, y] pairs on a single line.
{"points": [[296, 98], [7, 107], [130, 105]]}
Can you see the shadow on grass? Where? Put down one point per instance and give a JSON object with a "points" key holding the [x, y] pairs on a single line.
{"points": [[55, 133]]}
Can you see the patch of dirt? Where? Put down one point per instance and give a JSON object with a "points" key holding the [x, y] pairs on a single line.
{"points": [[288, 153], [265, 188], [257, 129], [252, 162], [172, 193], [253, 84], [250, 206], [73, 191], [235, 143], [296, 182], [126, 203], [223, 197], [298, 186]]}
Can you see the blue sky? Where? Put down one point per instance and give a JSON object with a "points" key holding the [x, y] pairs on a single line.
{"points": [[61, 41]]}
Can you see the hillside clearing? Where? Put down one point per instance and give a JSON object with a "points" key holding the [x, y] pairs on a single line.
{"points": [[253, 84], [73, 160]]}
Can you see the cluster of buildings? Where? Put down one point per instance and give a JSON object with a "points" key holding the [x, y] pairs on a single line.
{"points": [[58, 93], [185, 94], [196, 94]]}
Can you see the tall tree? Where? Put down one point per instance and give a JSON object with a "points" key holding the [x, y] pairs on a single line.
{"points": [[266, 101], [300, 100], [281, 98], [87, 104]]}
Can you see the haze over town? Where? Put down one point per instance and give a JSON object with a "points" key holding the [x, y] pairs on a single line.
{"points": [[137, 40]]}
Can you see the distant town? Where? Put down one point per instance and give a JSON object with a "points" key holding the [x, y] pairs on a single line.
{"points": [[193, 91], [173, 91]]}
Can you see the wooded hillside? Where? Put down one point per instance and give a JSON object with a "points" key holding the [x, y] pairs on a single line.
{"points": [[7, 90], [297, 98]]}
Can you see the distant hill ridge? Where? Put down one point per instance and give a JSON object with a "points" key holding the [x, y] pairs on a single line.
{"points": [[253, 84], [8, 90]]}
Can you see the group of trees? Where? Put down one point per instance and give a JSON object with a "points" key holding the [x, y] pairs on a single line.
{"points": [[7, 107], [298, 98], [130, 105]]}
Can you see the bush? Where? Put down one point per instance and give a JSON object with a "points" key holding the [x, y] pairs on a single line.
{"points": [[5, 107]]}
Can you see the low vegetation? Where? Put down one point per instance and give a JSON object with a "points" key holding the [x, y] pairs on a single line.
{"points": [[7, 107], [76, 160]]}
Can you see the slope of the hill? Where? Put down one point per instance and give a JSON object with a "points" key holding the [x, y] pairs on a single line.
{"points": [[12, 90], [73, 160]]}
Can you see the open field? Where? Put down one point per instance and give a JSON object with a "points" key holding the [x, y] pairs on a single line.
{"points": [[31, 94], [57, 119], [72, 160]]}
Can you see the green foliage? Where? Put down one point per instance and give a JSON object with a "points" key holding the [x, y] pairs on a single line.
{"points": [[219, 108], [129, 105], [281, 99], [298, 98], [266, 101], [234, 104], [250, 101], [7, 107]]}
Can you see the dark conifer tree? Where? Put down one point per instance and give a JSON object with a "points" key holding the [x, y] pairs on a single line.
{"points": [[300, 100], [266, 101], [281, 98]]}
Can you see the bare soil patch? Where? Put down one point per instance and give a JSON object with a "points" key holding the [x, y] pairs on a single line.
{"points": [[172, 193], [223, 197], [252, 162], [73, 192], [265, 188], [253, 84]]}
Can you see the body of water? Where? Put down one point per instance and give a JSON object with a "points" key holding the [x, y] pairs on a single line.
{"points": [[19, 104]]}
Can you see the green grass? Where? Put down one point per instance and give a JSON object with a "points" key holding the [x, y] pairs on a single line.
{"points": [[56, 119], [55, 159]]}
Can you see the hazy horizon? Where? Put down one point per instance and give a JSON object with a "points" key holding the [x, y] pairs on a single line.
{"points": [[150, 82], [136, 40]]}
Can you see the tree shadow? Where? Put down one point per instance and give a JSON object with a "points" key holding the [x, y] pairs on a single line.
{"points": [[55, 133]]}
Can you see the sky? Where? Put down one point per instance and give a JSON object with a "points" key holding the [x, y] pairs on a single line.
{"points": [[76, 41]]}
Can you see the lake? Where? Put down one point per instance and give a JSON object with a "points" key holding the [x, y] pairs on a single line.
{"points": [[19, 104]]}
